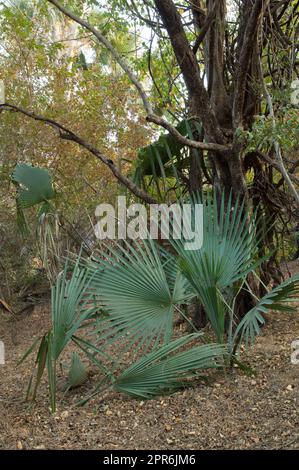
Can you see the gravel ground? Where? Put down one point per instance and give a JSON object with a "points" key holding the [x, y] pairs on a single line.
{"points": [[233, 411]]}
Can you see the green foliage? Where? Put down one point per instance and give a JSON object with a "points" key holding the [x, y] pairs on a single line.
{"points": [[226, 257], [162, 161], [139, 289], [34, 185], [285, 132], [70, 306], [279, 300], [152, 159], [127, 302], [129, 295], [162, 371], [78, 373]]}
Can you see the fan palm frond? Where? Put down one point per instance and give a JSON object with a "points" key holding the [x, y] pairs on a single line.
{"points": [[78, 372], [71, 304], [166, 370], [279, 299], [139, 287], [34, 185], [226, 255]]}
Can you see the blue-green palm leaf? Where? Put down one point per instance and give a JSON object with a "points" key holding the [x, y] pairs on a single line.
{"points": [[279, 299], [166, 369], [139, 287], [226, 255], [71, 304], [34, 185]]}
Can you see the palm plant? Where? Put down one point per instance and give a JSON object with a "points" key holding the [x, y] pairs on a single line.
{"points": [[133, 281], [136, 313], [129, 297], [71, 306], [280, 299], [34, 185], [218, 271], [227, 255], [35, 189]]}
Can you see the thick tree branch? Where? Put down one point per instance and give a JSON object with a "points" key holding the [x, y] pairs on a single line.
{"points": [[244, 60], [66, 134], [190, 69], [204, 29]]}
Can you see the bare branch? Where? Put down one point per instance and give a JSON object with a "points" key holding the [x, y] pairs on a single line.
{"points": [[190, 69], [275, 165], [66, 134], [134, 9], [184, 140]]}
